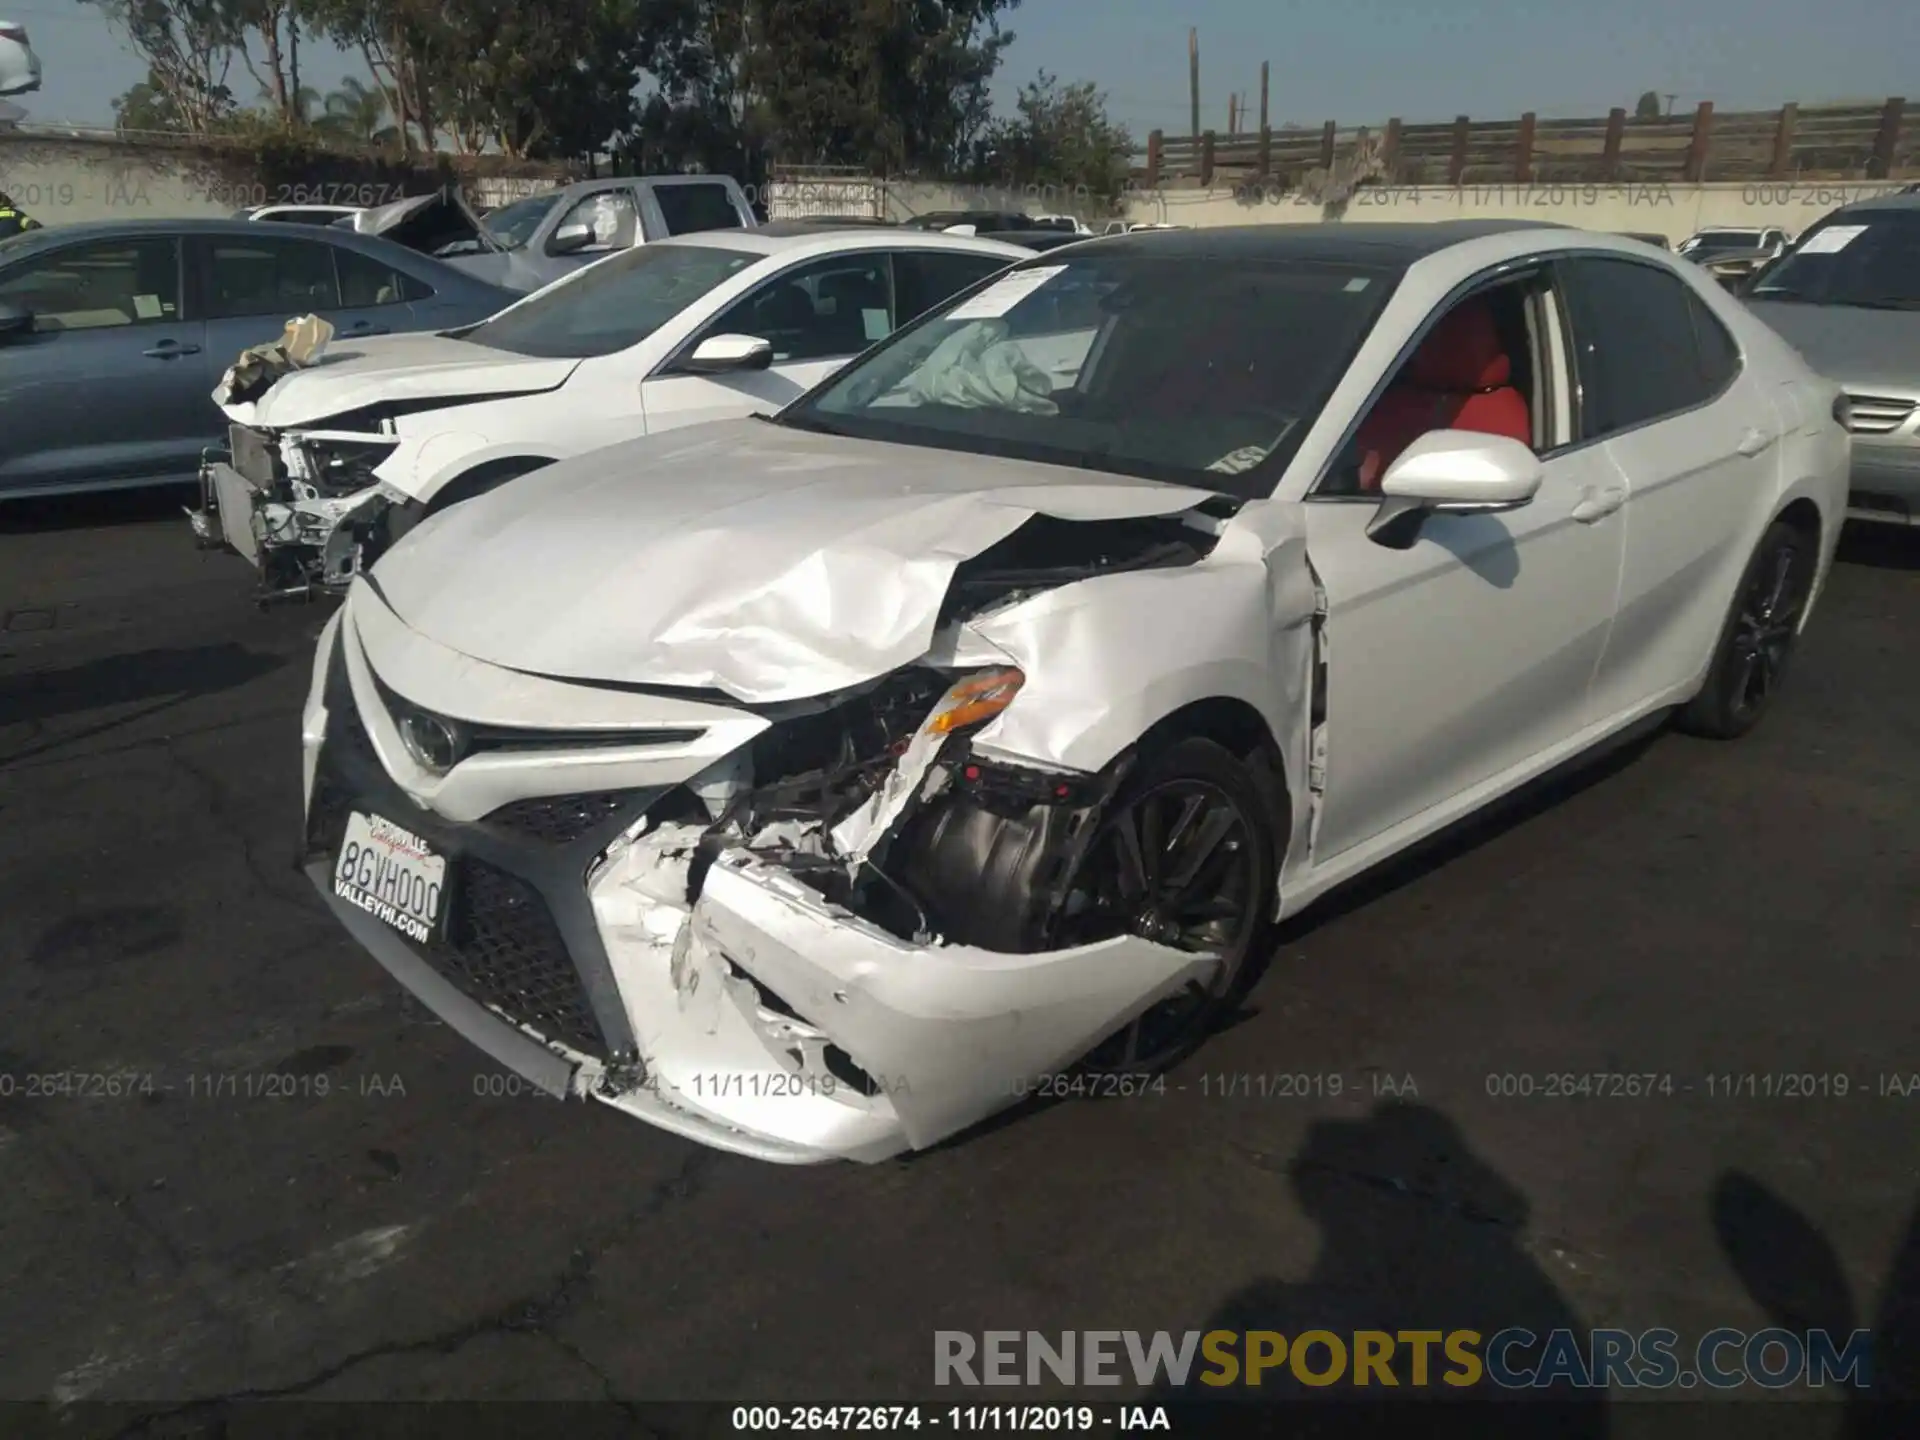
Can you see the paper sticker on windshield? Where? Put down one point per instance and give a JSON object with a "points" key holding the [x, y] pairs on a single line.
{"points": [[874, 324], [1831, 239], [147, 307], [1005, 293]]}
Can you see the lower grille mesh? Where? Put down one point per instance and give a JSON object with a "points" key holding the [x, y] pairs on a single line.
{"points": [[504, 949], [561, 819]]}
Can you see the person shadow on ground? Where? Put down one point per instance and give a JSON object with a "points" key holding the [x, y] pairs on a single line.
{"points": [[1417, 1234], [1793, 1274]]}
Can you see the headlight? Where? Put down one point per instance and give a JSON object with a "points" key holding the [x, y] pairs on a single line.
{"points": [[979, 697]]}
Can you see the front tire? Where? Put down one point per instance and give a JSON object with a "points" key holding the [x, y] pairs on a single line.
{"points": [[1185, 856], [1751, 661]]}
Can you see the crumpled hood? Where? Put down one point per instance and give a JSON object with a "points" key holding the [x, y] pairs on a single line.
{"points": [[353, 374], [1858, 348], [761, 561]]}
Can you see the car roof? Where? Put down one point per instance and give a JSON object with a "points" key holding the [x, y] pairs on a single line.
{"points": [[1392, 243], [1899, 200], [34, 241], [782, 238]]}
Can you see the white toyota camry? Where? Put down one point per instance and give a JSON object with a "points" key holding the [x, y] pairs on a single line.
{"points": [[811, 786]]}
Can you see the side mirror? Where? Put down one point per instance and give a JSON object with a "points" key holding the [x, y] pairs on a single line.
{"points": [[1457, 472], [570, 240], [719, 354], [14, 320]]}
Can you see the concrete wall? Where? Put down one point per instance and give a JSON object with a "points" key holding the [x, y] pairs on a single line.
{"points": [[64, 179], [1673, 210]]}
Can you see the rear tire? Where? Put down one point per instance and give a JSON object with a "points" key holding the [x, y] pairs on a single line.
{"points": [[1756, 644]]}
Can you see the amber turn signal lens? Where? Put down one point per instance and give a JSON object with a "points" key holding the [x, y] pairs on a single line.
{"points": [[978, 697]]}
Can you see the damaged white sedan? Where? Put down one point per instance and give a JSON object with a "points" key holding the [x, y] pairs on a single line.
{"points": [[333, 457], [810, 786]]}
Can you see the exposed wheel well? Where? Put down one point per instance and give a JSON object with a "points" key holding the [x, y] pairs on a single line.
{"points": [[483, 478], [1238, 727], [1804, 516]]}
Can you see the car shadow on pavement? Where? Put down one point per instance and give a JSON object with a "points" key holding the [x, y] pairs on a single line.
{"points": [[105, 507], [1791, 1271], [125, 679], [1417, 1233], [165, 678]]}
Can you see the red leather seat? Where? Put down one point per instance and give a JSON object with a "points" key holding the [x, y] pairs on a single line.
{"points": [[1459, 379]]}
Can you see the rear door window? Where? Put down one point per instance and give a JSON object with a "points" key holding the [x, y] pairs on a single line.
{"points": [[273, 275], [1637, 344], [693, 206], [923, 279]]}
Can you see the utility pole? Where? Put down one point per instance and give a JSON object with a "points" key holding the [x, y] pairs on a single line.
{"points": [[1233, 113], [1670, 99], [1263, 95], [1193, 80]]}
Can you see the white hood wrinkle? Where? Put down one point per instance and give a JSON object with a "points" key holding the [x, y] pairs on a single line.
{"points": [[761, 561], [397, 369]]}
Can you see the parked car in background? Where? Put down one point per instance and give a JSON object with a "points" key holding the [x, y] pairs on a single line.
{"points": [[299, 214], [531, 242], [978, 219], [1072, 224], [1848, 297], [1033, 239], [810, 789], [1733, 243], [336, 461], [19, 66], [113, 334]]}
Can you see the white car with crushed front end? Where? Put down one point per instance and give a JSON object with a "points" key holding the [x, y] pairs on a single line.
{"points": [[337, 459], [811, 786]]}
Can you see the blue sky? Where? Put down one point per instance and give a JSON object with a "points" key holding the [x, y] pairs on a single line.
{"points": [[1355, 61]]}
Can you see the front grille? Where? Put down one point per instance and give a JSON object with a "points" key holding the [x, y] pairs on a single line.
{"points": [[1878, 414], [562, 819], [253, 456], [504, 949], [508, 892]]}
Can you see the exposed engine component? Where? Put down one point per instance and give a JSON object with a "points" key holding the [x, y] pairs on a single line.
{"points": [[956, 849]]}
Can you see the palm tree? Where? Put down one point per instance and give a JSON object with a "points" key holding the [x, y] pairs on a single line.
{"points": [[357, 112]]}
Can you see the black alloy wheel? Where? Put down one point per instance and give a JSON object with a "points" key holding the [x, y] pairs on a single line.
{"points": [[1184, 856], [1757, 645]]}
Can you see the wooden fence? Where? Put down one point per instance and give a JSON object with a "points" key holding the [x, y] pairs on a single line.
{"points": [[1793, 142]]}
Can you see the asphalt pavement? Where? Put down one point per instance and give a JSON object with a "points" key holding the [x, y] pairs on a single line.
{"points": [[298, 1184]]}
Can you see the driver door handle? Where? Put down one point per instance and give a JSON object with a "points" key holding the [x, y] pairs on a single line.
{"points": [[1599, 501], [167, 349], [1754, 441]]}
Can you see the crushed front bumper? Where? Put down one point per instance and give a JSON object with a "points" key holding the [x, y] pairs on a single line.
{"points": [[759, 1019], [300, 547]]}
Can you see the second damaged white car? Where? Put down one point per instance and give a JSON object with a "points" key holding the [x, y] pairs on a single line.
{"points": [[809, 786]]}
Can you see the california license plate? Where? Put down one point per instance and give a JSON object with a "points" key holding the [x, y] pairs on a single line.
{"points": [[392, 874]]}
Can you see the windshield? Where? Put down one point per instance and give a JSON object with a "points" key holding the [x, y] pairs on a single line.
{"points": [[1869, 259], [613, 304], [513, 225], [1173, 368]]}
